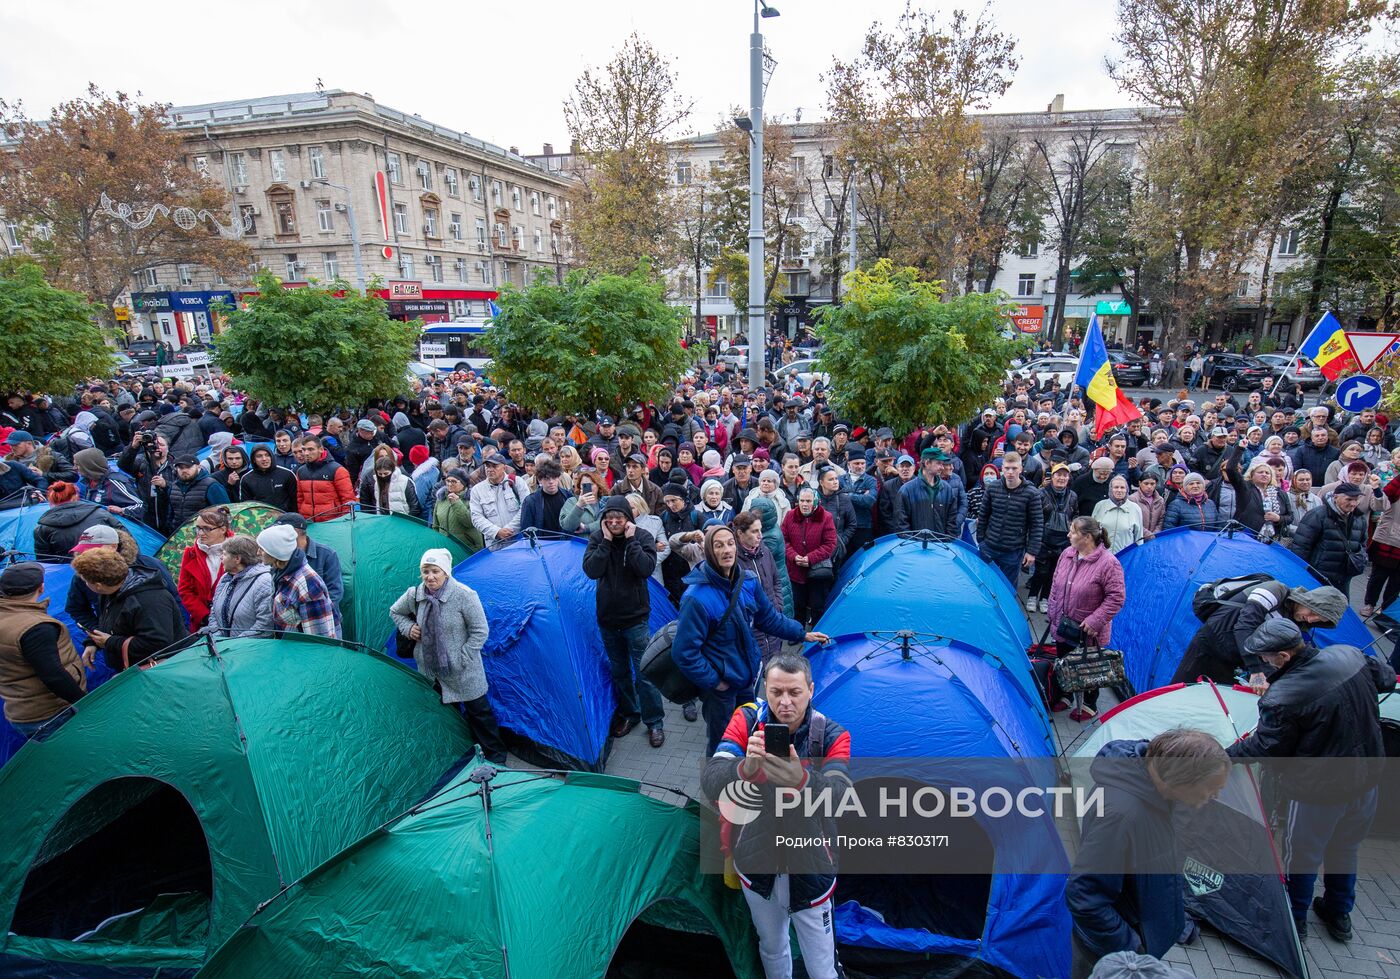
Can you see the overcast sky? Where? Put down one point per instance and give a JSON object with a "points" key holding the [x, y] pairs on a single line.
{"points": [[499, 71]]}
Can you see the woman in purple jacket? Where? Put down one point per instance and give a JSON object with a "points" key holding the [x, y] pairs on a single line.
{"points": [[1087, 590]]}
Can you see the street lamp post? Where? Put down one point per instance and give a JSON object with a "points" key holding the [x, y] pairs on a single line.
{"points": [[354, 231], [757, 316]]}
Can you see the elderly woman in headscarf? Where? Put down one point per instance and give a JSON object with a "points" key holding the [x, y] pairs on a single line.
{"points": [[1273, 449], [445, 621]]}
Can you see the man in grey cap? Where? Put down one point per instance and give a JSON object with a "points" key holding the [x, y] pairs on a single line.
{"points": [[496, 501], [362, 446], [1332, 538], [1320, 705]]}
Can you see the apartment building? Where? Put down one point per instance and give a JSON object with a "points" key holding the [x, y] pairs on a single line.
{"points": [[444, 219]]}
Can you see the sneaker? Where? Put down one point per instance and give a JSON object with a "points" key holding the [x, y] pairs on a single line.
{"points": [[1044, 606], [1338, 925], [1301, 926], [622, 726], [1030, 605], [656, 737], [1083, 713], [691, 711]]}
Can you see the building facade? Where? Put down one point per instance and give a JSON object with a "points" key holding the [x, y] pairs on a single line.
{"points": [[452, 219]]}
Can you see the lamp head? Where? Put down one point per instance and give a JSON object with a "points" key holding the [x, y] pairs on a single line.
{"points": [[744, 123], [767, 11]]}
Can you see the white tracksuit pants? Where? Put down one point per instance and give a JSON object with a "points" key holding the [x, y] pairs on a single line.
{"points": [[816, 933]]}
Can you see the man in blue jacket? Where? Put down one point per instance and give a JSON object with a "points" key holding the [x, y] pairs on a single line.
{"points": [[714, 646], [863, 490], [929, 501], [1125, 892]]}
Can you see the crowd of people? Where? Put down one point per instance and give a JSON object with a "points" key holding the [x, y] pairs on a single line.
{"points": [[739, 505]]}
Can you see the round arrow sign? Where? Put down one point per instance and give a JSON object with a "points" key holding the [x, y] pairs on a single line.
{"points": [[1359, 392]]}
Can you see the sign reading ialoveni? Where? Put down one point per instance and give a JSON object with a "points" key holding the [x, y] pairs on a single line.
{"points": [[405, 290], [1028, 319]]}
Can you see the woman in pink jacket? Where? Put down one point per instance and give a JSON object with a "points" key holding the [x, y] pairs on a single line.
{"points": [[1087, 589]]}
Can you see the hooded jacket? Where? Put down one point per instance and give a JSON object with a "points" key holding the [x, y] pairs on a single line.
{"points": [[1182, 512], [621, 567], [1307, 456], [1126, 911], [711, 647], [939, 507], [1011, 519], [812, 536], [1334, 545], [274, 485], [141, 618], [59, 528]]}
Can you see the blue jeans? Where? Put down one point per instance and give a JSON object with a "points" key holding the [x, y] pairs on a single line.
{"points": [[1329, 835], [624, 648], [718, 707], [28, 731], [1008, 561]]}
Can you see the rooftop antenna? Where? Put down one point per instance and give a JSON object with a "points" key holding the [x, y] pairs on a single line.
{"points": [[320, 86]]}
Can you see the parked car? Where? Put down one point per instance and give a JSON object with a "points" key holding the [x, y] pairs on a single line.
{"points": [[182, 355], [421, 371], [1294, 368], [1129, 370], [737, 356], [1235, 372], [144, 351], [1061, 369], [807, 373], [126, 367]]}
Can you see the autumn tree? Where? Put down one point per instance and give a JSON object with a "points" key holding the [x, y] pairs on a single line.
{"points": [[782, 192], [57, 170], [904, 109], [828, 188], [620, 118], [697, 232], [1239, 84], [1011, 201]]}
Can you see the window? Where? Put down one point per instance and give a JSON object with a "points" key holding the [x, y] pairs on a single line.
{"points": [[480, 235], [401, 219], [425, 175], [1030, 248], [201, 165], [515, 198], [316, 159], [1288, 242], [474, 185], [1048, 286], [518, 237], [461, 266], [797, 209], [682, 172], [186, 273], [449, 180], [718, 288], [828, 166], [483, 272], [553, 207], [539, 241], [535, 202], [286, 218], [828, 247], [277, 163], [151, 280], [325, 216], [395, 168], [1025, 284], [553, 244], [502, 235], [456, 227], [330, 266], [829, 208], [496, 193], [1242, 287], [430, 222], [799, 164], [12, 233], [238, 166], [249, 214], [293, 267], [434, 264], [406, 265], [797, 284], [792, 249]]}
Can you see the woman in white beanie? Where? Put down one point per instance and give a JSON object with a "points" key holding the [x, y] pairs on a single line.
{"points": [[300, 601], [448, 625]]}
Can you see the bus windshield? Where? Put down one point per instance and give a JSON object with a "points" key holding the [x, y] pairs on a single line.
{"points": [[453, 346]]}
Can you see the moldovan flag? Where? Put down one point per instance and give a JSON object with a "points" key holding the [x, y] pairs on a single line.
{"points": [[1327, 347], [1095, 377]]}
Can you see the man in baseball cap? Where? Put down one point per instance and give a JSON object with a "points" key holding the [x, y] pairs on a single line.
{"points": [[98, 535]]}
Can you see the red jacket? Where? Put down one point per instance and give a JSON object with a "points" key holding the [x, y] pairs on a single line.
{"points": [[196, 587], [813, 536], [324, 490]]}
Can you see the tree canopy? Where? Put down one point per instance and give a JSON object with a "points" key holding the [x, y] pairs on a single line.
{"points": [[316, 347], [936, 359], [596, 342], [51, 340]]}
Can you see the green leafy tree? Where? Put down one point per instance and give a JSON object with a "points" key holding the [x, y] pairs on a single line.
{"points": [[51, 340], [597, 341], [936, 360], [320, 347]]}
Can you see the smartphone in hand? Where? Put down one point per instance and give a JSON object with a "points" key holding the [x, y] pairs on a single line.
{"points": [[777, 739]]}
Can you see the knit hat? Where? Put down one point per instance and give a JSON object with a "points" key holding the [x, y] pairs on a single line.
{"points": [[459, 474], [616, 504], [711, 459], [673, 489], [279, 541], [438, 557], [711, 482], [418, 455], [1346, 489], [91, 463]]}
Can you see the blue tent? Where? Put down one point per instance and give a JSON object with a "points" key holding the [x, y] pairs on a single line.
{"points": [[550, 685], [17, 530], [57, 579], [1162, 575], [912, 697], [935, 585]]}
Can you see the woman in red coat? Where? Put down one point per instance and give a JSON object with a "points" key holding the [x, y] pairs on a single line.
{"points": [[1088, 590], [201, 566], [809, 537]]}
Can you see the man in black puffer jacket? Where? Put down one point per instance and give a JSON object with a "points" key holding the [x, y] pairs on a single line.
{"points": [[1332, 538], [1011, 521], [1321, 712]]}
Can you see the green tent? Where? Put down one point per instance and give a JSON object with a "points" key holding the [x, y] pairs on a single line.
{"points": [[245, 518], [178, 797], [527, 875], [379, 555]]}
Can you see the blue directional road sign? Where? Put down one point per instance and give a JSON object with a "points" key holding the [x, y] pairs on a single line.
{"points": [[1359, 392]]}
